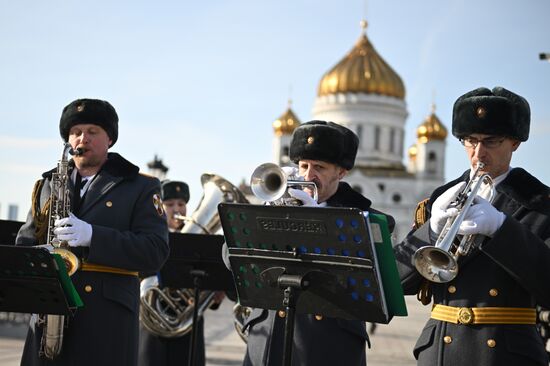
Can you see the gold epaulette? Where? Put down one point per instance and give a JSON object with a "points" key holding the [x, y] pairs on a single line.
{"points": [[420, 213]]}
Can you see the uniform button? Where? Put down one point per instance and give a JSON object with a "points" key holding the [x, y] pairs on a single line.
{"points": [[451, 289], [281, 313], [447, 339], [318, 317], [491, 343], [88, 288], [493, 292], [109, 204]]}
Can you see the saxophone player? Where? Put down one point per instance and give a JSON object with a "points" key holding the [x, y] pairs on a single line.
{"points": [[486, 315], [117, 227]]}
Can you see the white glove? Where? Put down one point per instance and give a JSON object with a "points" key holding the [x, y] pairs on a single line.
{"points": [[75, 232], [303, 196], [290, 171], [482, 218], [440, 208], [147, 283]]}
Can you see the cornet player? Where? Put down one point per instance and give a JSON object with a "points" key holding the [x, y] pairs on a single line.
{"points": [[486, 314], [116, 226], [175, 196], [324, 152]]}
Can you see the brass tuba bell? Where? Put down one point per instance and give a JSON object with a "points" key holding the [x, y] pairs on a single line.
{"points": [[168, 312]]}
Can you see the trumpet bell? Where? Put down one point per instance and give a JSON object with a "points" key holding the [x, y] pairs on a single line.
{"points": [[268, 182], [435, 264]]}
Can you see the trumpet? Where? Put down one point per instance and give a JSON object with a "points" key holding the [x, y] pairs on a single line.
{"points": [[439, 263], [270, 183]]}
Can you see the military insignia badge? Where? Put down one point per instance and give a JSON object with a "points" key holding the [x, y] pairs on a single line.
{"points": [[80, 108], [157, 202], [481, 112], [310, 140]]}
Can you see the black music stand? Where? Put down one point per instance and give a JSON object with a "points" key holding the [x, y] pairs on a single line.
{"points": [[196, 262], [32, 280], [8, 231], [306, 260]]}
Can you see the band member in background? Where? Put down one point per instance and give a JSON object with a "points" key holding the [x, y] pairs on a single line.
{"points": [[117, 227], [155, 350], [486, 314], [324, 152], [175, 196]]}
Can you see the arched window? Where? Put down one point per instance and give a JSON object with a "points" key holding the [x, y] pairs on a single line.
{"points": [[377, 138], [431, 164]]}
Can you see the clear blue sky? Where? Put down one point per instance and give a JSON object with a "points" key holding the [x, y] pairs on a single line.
{"points": [[199, 83]]}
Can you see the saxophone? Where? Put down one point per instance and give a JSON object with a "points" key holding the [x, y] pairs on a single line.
{"points": [[60, 206]]}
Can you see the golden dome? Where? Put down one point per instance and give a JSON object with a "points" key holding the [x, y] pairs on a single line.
{"points": [[413, 151], [362, 70], [431, 129], [287, 123]]}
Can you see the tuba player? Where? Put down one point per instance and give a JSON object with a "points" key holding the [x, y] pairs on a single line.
{"points": [[155, 350]]}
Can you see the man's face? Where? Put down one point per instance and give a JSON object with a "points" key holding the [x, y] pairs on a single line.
{"points": [[174, 206], [325, 175], [94, 142], [494, 151]]}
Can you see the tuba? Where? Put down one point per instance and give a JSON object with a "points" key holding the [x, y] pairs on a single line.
{"points": [[438, 263], [60, 205], [168, 312]]}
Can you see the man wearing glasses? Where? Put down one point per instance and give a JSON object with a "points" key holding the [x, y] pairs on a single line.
{"points": [[486, 315]]}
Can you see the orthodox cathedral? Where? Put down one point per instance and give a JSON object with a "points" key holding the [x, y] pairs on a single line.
{"points": [[363, 93]]}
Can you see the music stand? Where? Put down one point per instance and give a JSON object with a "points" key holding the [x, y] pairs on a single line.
{"points": [[195, 262], [306, 260], [32, 280], [8, 231]]}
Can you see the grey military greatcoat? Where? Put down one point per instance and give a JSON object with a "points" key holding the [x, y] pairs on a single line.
{"points": [[130, 233], [511, 270], [324, 342]]}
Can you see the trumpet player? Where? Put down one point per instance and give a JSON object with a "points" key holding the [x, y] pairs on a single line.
{"points": [[485, 315], [116, 227], [324, 152]]}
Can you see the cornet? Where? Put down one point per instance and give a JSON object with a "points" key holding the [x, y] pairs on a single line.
{"points": [[270, 183], [438, 263]]}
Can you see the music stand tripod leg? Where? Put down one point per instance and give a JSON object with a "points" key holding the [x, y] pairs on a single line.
{"points": [[292, 285], [197, 277]]}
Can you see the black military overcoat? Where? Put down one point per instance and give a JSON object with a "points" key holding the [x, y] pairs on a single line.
{"points": [[511, 269], [129, 232], [325, 342]]}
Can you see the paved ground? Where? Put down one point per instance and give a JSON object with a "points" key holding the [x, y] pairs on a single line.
{"points": [[391, 344]]}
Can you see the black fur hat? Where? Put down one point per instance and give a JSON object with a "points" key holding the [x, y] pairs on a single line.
{"points": [[93, 111], [174, 189], [325, 141], [491, 112]]}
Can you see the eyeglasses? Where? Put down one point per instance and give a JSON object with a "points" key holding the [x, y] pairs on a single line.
{"points": [[489, 142]]}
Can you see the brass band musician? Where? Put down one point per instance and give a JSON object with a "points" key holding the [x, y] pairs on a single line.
{"points": [[324, 152], [485, 315], [155, 350], [116, 226]]}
